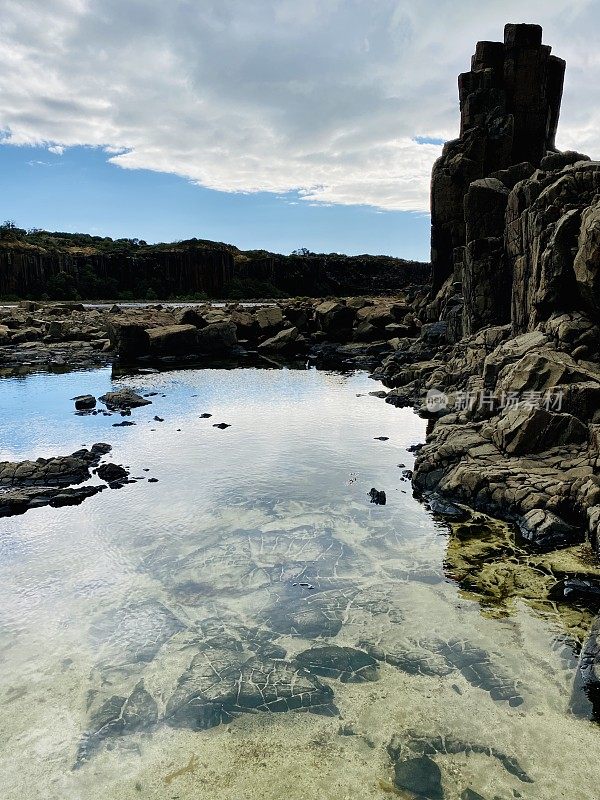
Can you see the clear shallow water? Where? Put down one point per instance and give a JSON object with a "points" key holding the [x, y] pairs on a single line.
{"points": [[135, 584]]}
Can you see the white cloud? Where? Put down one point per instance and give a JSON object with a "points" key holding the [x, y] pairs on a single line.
{"points": [[324, 97]]}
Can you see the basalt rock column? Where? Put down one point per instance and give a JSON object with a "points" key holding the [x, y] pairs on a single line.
{"points": [[509, 107]]}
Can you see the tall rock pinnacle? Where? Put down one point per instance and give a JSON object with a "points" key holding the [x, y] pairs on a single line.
{"points": [[509, 108]]}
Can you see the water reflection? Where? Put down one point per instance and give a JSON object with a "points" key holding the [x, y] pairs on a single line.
{"points": [[161, 640]]}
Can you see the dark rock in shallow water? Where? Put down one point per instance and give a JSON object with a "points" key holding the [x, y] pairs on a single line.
{"points": [[47, 481], [124, 424], [123, 399], [221, 425], [585, 699], [470, 794], [220, 683], [414, 744], [447, 510], [421, 776], [118, 716], [133, 633], [111, 473], [378, 497], [205, 416], [438, 657], [578, 590], [345, 663], [84, 402], [381, 438]]}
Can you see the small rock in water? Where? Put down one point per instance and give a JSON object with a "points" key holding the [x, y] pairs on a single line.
{"points": [[126, 423], [158, 419], [111, 472], [421, 775], [123, 399], [381, 438], [84, 402], [377, 497], [152, 480], [205, 416], [221, 425]]}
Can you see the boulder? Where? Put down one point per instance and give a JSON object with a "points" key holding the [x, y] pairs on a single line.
{"points": [[85, 402], [542, 370], [365, 332], [26, 335], [172, 340], [123, 399], [217, 337], [130, 339], [378, 315], [547, 531], [284, 340], [269, 318], [525, 429], [245, 324], [195, 315], [335, 319], [509, 352]]}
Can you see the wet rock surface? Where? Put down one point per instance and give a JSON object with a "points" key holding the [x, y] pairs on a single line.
{"points": [[48, 481], [344, 663]]}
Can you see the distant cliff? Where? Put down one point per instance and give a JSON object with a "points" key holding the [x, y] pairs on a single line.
{"points": [[39, 264]]}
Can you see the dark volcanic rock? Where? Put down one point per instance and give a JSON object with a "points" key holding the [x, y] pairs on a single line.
{"points": [[221, 683], [585, 700], [123, 399], [378, 497], [85, 402], [118, 716], [421, 776], [345, 663], [48, 481], [509, 102], [112, 473]]}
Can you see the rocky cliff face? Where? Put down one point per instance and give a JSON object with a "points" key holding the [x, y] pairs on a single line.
{"points": [[64, 266], [511, 342], [515, 223]]}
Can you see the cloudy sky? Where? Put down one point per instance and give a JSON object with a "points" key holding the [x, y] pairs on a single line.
{"points": [[275, 123]]}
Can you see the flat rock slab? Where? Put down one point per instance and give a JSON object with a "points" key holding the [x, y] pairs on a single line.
{"points": [[220, 684], [344, 663]]}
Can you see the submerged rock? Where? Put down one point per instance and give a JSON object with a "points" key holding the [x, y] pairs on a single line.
{"points": [[219, 684], [133, 634], [345, 663], [414, 745], [118, 716], [421, 776]]}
